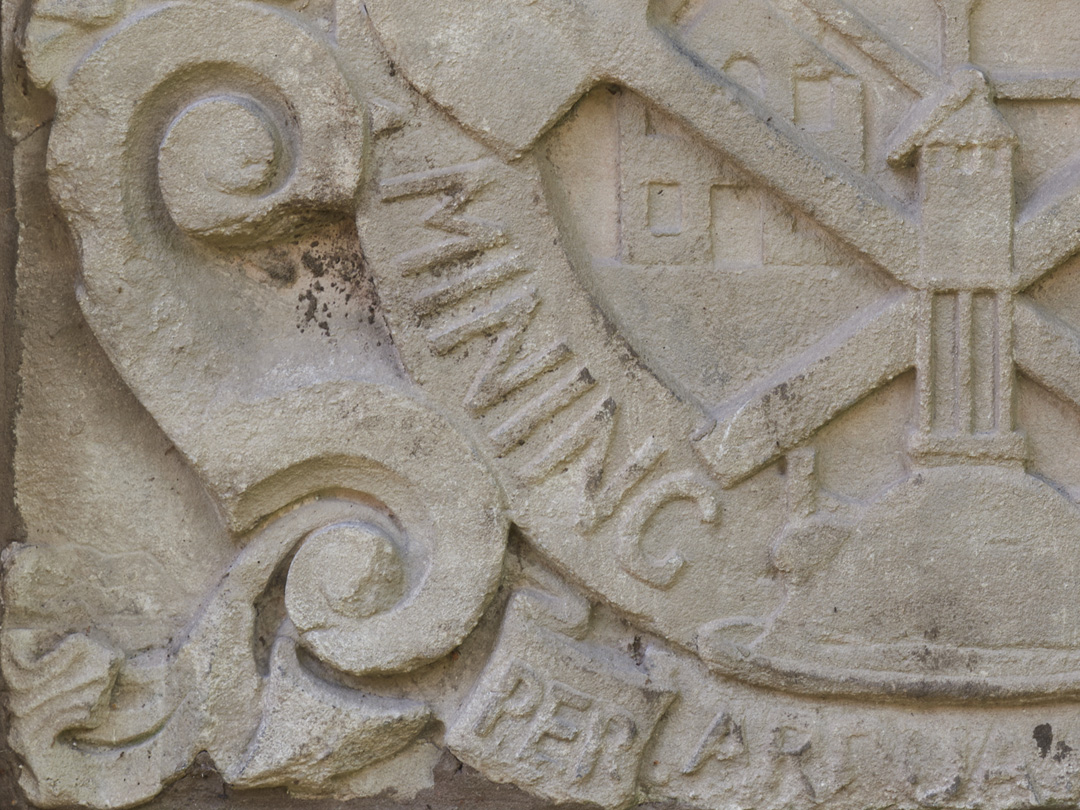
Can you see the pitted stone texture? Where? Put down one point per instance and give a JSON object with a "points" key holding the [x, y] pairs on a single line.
{"points": [[223, 145], [352, 568]]}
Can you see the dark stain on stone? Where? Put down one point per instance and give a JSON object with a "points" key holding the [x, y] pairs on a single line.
{"points": [[1063, 750], [331, 276], [1044, 738], [312, 306], [316, 265]]}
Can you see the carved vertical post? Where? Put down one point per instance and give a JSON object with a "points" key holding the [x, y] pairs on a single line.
{"points": [[964, 350], [965, 365], [956, 31]]}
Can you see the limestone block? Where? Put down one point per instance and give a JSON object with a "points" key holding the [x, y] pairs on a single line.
{"points": [[639, 402]]}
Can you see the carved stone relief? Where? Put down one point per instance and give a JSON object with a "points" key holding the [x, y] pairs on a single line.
{"points": [[638, 401]]}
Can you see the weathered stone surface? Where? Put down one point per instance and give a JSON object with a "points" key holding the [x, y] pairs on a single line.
{"points": [[600, 404]]}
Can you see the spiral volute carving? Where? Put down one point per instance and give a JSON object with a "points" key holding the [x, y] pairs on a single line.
{"points": [[243, 135], [195, 140]]}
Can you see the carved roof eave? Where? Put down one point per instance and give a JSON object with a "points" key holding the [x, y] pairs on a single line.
{"points": [[961, 114]]}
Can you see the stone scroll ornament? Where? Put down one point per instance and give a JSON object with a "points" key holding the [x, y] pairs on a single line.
{"points": [[750, 318]]}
